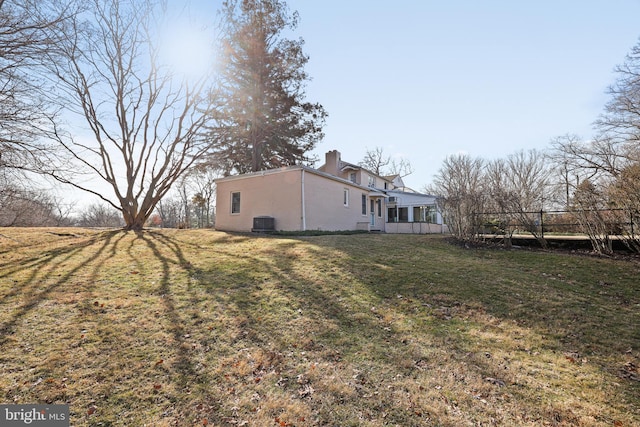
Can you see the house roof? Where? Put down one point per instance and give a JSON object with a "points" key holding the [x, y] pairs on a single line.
{"points": [[293, 168], [396, 179]]}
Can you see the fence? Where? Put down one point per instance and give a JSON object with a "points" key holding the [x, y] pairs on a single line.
{"points": [[612, 222]]}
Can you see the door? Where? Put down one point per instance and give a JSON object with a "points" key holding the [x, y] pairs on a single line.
{"points": [[372, 205]]}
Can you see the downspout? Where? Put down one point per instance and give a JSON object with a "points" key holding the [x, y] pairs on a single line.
{"points": [[304, 212]]}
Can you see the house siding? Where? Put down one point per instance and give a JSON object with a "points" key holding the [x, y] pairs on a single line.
{"points": [[274, 193], [278, 194], [303, 198], [325, 209]]}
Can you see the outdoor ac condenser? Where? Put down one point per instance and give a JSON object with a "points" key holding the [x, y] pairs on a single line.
{"points": [[264, 223]]}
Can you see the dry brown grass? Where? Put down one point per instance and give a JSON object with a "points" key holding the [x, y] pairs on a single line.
{"points": [[206, 328]]}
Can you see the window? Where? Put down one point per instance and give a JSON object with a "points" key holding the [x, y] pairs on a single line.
{"points": [[392, 214], [396, 214], [352, 177], [379, 203], [424, 214], [372, 181], [403, 214], [235, 203], [364, 204], [345, 197]]}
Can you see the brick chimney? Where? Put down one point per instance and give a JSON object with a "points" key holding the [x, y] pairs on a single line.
{"points": [[332, 163]]}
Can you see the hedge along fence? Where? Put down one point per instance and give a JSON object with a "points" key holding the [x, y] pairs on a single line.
{"points": [[601, 226]]}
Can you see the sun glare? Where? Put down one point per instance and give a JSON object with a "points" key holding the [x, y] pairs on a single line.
{"points": [[187, 50]]}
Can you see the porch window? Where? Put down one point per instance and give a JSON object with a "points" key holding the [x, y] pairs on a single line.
{"points": [[235, 202], [392, 214], [364, 204], [425, 214], [379, 203], [403, 214], [396, 214]]}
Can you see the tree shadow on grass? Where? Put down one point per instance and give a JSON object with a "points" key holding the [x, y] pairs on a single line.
{"points": [[295, 301], [154, 242], [345, 306], [100, 332], [42, 279]]}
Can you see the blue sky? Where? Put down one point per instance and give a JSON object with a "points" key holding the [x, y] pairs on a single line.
{"points": [[426, 79]]}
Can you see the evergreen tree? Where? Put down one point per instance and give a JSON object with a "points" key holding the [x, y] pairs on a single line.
{"points": [[263, 121]]}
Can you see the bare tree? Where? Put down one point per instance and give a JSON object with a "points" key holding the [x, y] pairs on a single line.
{"points": [[201, 181], [591, 160], [375, 160], [590, 211], [100, 215], [459, 187], [184, 195], [21, 206], [171, 212], [24, 27], [620, 121], [588, 166], [144, 123], [401, 167], [518, 186], [624, 195], [379, 163]]}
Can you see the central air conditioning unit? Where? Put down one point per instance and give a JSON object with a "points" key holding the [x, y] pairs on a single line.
{"points": [[263, 224], [393, 199]]}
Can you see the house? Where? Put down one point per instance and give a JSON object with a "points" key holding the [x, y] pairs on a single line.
{"points": [[336, 196]]}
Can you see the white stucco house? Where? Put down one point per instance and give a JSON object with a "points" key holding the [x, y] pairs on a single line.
{"points": [[336, 196]]}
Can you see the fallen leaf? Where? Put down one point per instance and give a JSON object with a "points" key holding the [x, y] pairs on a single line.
{"points": [[159, 362], [157, 386], [282, 423], [92, 410]]}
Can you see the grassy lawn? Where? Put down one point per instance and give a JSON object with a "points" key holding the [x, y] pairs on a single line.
{"points": [[193, 328]]}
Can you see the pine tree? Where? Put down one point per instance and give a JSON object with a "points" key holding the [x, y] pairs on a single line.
{"points": [[263, 121]]}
